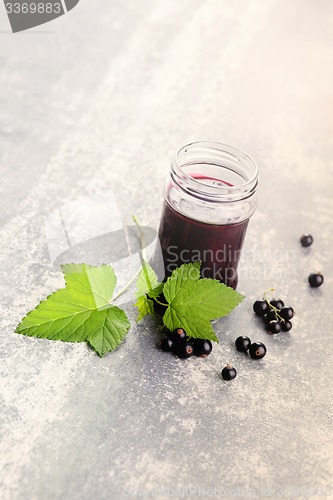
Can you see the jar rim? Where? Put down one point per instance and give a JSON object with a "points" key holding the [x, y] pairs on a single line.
{"points": [[220, 155]]}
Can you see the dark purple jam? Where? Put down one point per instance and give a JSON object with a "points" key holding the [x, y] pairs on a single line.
{"points": [[218, 247]]}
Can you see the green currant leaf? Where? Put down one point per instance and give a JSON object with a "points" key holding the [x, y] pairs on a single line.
{"points": [[156, 291], [147, 285], [145, 306], [147, 280], [108, 328], [194, 302], [81, 311]]}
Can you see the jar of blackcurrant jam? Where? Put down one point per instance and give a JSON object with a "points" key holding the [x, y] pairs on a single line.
{"points": [[210, 194]]}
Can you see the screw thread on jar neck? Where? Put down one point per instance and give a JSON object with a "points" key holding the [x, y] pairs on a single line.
{"points": [[214, 171]]}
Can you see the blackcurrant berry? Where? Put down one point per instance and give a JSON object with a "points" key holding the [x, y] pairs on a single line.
{"points": [[278, 303], [243, 344], [257, 350], [316, 279], [286, 313], [229, 372], [166, 344], [183, 349], [178, 335], [274, 327], [306, 240], [270, 316], [260, 307], [202, 348], [286, 326]]}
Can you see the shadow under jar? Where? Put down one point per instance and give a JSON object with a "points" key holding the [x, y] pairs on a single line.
{"points": [[210, 194]]}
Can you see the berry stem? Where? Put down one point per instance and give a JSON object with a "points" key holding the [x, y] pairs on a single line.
{"points": [[278, 315], [272, 308], [275, 309], [266, 292]]}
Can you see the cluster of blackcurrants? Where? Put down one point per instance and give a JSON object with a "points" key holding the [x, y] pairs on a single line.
{"points": [[257, 350], [314, 279], [275, 314], [178, 343]]}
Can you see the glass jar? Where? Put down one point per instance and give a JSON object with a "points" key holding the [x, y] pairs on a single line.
{"points": [[210, 194]]}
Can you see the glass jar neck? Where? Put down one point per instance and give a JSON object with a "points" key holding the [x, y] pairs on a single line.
{"points": [[212, 182], [214, 171]]}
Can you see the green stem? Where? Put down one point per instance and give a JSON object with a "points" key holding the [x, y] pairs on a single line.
{"points": [[142, 237], [142, 251], [265, 293], [123, 290], [272, 308], [143, 260], [275, 309], [161, 303]]}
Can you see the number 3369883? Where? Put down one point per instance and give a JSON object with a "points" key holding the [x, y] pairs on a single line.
{"points": [[33, 8]]}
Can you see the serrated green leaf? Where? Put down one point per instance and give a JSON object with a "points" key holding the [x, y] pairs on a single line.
{"points": [[194, 302], [213, 298], [156, 291], [147, 280], [81, 311], [182, 277], [193, 325], [147, 286], [95, 283], [108, 328], [145, 306]]}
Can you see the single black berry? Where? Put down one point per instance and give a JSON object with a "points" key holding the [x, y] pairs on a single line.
{"points": [[257, 350], [286, 326], [274, 327], [306, 240], [166, 344], [183, 349], [260, 307], [286, 313], [243, 344], [316, 279], [202, 347], [278, 303], [178, 335], [270, 316], [229, 372]]}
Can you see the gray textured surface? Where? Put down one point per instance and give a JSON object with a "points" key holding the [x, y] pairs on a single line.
{"points": [[102, 101]]}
